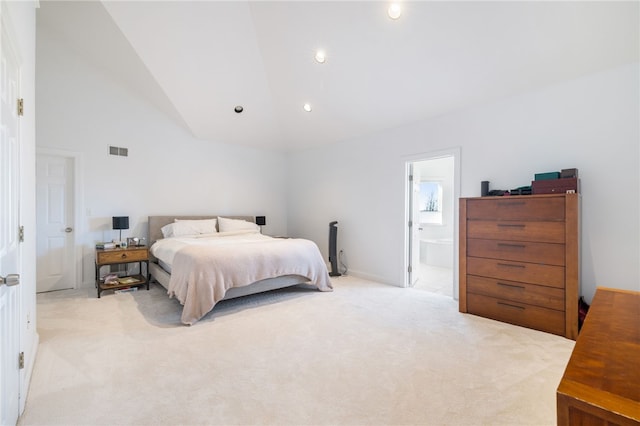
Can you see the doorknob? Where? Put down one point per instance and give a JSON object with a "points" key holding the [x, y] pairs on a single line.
{"points": [[68, 229], [10, 280]]}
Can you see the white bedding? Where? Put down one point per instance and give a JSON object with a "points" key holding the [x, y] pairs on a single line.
{"points": [[166, 249], [204, 267]]}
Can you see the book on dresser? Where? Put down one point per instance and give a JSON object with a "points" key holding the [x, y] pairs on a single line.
{"points": [[519, 260]]}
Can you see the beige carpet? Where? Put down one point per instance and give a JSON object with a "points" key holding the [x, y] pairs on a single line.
{"points": [[365, 354], [435, 279]]}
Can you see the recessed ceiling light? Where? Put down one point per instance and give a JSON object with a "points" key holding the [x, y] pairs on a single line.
{"points": [[394, 11], [307, 107], [238, 109], [320, 56]]}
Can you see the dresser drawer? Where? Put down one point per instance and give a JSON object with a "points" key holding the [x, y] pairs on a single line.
{"points": [[548, 275], [121, 256], [543, 232], [524, 251], [516, 208], [543, 319], [531, 294]]}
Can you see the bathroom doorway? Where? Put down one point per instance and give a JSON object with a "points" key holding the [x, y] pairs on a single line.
{"points": [[433, 194]]}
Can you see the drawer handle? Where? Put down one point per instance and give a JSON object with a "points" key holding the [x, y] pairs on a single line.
{"points": [[511, 265], [511, 285], [511, 225], [124, 255], [522, 308], [512, 245], [511, 203]]}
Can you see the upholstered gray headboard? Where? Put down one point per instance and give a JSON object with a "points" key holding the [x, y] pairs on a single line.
{"points": [[157, 222]]}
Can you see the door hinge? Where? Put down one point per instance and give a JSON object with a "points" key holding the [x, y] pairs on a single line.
{"points": [[410, 269], [21, 107], [21, 360], [410, 224], [410, 178], [21, 234]]}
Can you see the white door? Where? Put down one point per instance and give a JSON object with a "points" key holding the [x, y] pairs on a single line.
{"points": [[414, 225], [55, 222], [444, 167], [9, 237]]}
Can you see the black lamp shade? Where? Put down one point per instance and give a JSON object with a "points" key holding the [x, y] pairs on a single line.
{"points": [[120, 222], [261, 220]]}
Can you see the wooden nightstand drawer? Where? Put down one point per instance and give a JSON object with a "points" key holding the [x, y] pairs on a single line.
{"points": [[104, 257], [523, 251], [517, 208]]}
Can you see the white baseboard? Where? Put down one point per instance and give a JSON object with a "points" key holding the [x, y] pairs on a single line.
{"points": [[372, 277]]}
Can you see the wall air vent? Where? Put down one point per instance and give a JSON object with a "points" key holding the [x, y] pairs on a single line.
{"points": [[115, 150]]}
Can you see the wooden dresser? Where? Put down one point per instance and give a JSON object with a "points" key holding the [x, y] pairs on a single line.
{"points": [[601, 384], [519, 260]]}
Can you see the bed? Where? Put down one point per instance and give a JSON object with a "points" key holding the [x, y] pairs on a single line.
{"points": [[201, 260]]}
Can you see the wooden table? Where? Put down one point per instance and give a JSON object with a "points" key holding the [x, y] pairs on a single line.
{"points": [[601, 384], [118, 256]]}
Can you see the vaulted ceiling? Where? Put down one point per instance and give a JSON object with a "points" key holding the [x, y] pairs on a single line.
{"points": [[197, 61]]}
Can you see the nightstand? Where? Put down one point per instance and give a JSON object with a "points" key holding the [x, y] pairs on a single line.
{"points": [[120, 256]]}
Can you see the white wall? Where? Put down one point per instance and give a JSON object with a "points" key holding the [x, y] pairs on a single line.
{"points": [[591, 123], [82, 110], [21, 16]]}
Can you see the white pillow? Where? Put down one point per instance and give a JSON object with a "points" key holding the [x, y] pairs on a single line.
{"points": [[167, 230], [228, 225], [194, 227], [183, 228]]}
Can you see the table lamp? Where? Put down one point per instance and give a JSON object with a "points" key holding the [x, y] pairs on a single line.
{"points": [[120, 222]]}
